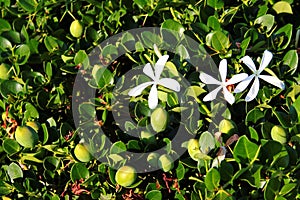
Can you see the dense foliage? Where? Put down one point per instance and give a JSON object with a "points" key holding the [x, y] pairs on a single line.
{"points": [[253, 153]]}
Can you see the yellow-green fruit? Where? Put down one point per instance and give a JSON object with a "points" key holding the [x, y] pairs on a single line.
{"points": [[82, 153], [34, 125], [26, 136], [194, 149], [153, 159], [159, 119], [126, 176], [148, 137], [228, 127], [165, 162], [279, 134], [76, 29], [4, 71]]}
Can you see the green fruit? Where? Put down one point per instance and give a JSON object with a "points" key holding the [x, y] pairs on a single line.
{"points": [[148, 137], [159, 119], [26, 136], [228, 127], [152, 159], [34, 125], [82, 153], [194, 149], [76, 29], [279, 134], [126, 176], [5, 74], [165, 162]]}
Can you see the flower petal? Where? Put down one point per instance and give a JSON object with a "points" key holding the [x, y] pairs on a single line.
{"points": [[253, 90], [169, 83], [139, 89], [153, 99], [237, 78], [159, 66], [228, 96], [223, 70], [242, 85], [149, 71], [249, 62], [212, 95], [266, 59], [273, 80], [208, 79]]}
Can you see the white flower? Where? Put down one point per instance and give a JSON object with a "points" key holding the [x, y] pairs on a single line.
{"points": [[155, 76], [207, 79], [267, 56]]}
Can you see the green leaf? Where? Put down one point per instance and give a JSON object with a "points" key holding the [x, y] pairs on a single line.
{"points": [[266, 22], [118, 147], [51, 43], [287, 188], [213, 22], [10, 87], [28, 5], [102, 76], [282, 37], [51, 163], [272, 188], [180, 171], [109, 50], [217, 40], [216, 4], [5, 44], [172, 99], [173, 25], [11, 146], [282, 7], [253, 133], [295, 110], [81, 58], [244, 151], [22, 52], [14, 171], [154, 195], [290, 59], [30, 112], [4, 26], [252, 176], [5, 188], [149, 39], [79, 171], [254, 115], [212, 179], [206, 142]]}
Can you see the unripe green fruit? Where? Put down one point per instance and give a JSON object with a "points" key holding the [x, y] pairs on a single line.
{"points": [[165, 162], [194, 149], [148, 137], [76, 29], [34, 125], [82, 153], [159, 119], [26, 136], [153, 159], [126, 176], [228, 127], [5, 74], [279, 134]]}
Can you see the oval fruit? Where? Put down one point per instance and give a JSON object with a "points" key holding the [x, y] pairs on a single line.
{"points": [[26, 136], [152, 159], [228, 127], [279, 134], [159, 119], [82, 153], [126, 176], [5, 74], [194, 149], [34, 125], [148, 137], [165, 162], [76, 29]]}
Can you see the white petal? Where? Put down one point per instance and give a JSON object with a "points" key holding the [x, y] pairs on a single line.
{"points": [[159, 66], [273, 80], [223, 70], [243, 85], [237, 78], [212, 95], [208, 79], [228, 96], [253, 90], [139, 89], [169, 83], [249, 62], [266, 59], [153, 99], [149, 71]]}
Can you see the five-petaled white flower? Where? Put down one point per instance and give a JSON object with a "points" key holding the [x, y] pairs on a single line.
{"points": [[207, 79], [267, 56], [155, 76]]}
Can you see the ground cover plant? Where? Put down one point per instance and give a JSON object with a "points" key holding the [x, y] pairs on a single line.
{"points": [[95, 105]]}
